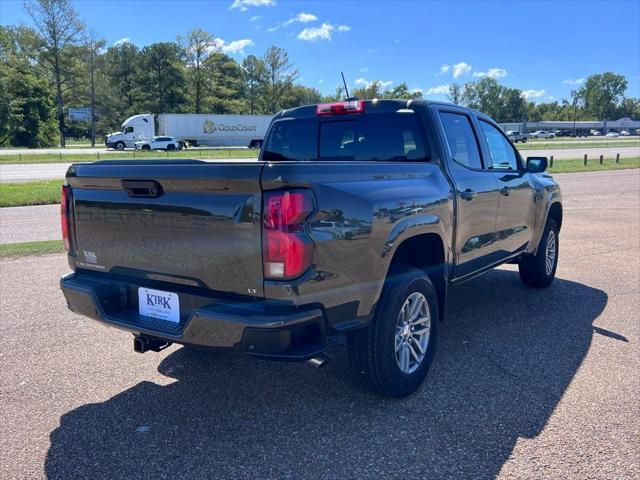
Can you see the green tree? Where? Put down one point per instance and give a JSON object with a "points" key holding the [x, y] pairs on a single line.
{"points": [[27, 114], [253, 82], [455, 93], [226, 74], [602, 93], [161, 82], [59, 30], [198, 45], [401, 91], [369, 91], [279, 78]]}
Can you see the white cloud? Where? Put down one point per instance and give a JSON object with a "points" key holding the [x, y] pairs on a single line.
{"points": [[121, 41], [244, 5], [528, 94], [299, 18], [344, 28], [492, 73], [366, 83], [233, 48], [461, 68], [255, 18], [364, 69], [417, 90], [439, 90], [321, 81], [444, 69], [311, 34], [577, 81]]}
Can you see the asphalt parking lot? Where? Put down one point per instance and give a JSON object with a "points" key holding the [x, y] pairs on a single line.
{"points": [[525, 383]]}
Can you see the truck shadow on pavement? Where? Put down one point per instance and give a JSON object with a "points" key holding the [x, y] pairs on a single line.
{"points": [[506, 355]]}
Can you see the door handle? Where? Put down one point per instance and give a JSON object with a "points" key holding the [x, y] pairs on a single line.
{"points": [[468, 194], [505, 191]]}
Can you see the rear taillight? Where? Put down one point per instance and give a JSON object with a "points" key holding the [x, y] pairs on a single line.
{"points": [[64, 215], [340, 108], [286, 248]]}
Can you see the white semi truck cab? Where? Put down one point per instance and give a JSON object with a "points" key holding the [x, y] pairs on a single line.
{"points": [[193, 129], [136, 128]]}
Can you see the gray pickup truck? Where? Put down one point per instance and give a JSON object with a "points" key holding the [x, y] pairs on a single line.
{"points": [[356, 219]]}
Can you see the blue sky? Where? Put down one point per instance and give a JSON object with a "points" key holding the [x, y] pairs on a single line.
{"points": [[544, 48]]}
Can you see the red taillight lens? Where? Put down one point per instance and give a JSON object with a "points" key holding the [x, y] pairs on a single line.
{"points": [[340, 108], [64, 215], [286, 248]]}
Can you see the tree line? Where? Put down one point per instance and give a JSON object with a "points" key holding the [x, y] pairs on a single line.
{"points": [[60, 63], [601, 96]]}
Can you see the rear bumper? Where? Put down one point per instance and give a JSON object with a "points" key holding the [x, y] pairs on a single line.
{"points": [[292, 334]]}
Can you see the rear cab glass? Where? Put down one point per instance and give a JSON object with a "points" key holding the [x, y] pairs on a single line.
{"points": [[389, 136]]}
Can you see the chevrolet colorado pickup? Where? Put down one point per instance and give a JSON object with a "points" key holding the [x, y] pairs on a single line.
{"points": [[356, 219]]}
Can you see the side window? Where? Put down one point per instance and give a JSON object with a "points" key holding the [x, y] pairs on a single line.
{"points": [[461, 139], [128, 130], [503, 156]]}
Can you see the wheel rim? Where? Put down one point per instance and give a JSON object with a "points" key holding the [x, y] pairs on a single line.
{"points": [[413, 328], [550, 252]]}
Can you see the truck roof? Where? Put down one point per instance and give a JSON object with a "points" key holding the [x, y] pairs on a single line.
{"points": [[382, 105]]}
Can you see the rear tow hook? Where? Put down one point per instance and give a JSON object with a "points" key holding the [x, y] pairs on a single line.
{"points": [[142, 343]]}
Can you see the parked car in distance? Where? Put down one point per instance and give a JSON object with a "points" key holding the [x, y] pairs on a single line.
{"points": [[625, 133], [613, 134], [159, 143], [516, 137], [541, 134], [356, 219], [595, 133]]}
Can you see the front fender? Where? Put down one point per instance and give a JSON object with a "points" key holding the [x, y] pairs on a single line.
{"points": [[547, 193]]}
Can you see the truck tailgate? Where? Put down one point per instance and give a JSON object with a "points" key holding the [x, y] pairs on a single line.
{"points": [[189, 222]]}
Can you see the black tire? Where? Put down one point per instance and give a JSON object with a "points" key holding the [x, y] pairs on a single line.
{"points": [[373, 350], [171, 147], [534, 270], [146, 147], [119, 146], [524, 140]]}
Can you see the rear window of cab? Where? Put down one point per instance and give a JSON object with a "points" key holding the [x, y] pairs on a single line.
{"points": [[394, 136]]}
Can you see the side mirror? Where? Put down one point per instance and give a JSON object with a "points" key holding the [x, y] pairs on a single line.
{"points": [[536, 164]]}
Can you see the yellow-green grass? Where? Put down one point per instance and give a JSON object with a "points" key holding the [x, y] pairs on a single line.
{"points": [[593, 165], [198, 154], [9, 250], [44, 192]]}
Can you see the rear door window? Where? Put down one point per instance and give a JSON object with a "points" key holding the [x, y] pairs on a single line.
{"points": [[461, 139], [395, 136]]}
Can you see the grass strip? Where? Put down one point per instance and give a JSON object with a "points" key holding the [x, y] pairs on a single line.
{"points": [[43, 192], [13, 250], [593, 165], [196, 154]]}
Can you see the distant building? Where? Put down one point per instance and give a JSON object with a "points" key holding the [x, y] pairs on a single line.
{"points": [[553, 125]]}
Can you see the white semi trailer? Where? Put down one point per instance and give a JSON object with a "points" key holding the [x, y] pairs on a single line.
{"points": [[193, 129]]}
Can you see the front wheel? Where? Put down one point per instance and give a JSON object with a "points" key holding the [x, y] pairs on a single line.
{"points": [[524, 140], [539, 270], [392, 356], [119, 146]]}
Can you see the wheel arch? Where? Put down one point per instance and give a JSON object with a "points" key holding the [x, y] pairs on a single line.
{"points": [[425, 251]]}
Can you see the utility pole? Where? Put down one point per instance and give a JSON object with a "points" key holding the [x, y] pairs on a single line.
{"points": [[93, 93]]}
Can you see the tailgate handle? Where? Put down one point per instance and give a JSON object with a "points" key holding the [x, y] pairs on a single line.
{"points": [[142, 188]]}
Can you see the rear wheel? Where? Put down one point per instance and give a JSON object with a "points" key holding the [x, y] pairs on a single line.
{"points": [[524, 140], [146, 147], [171, 147], [393, 355], [539, 270]]}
